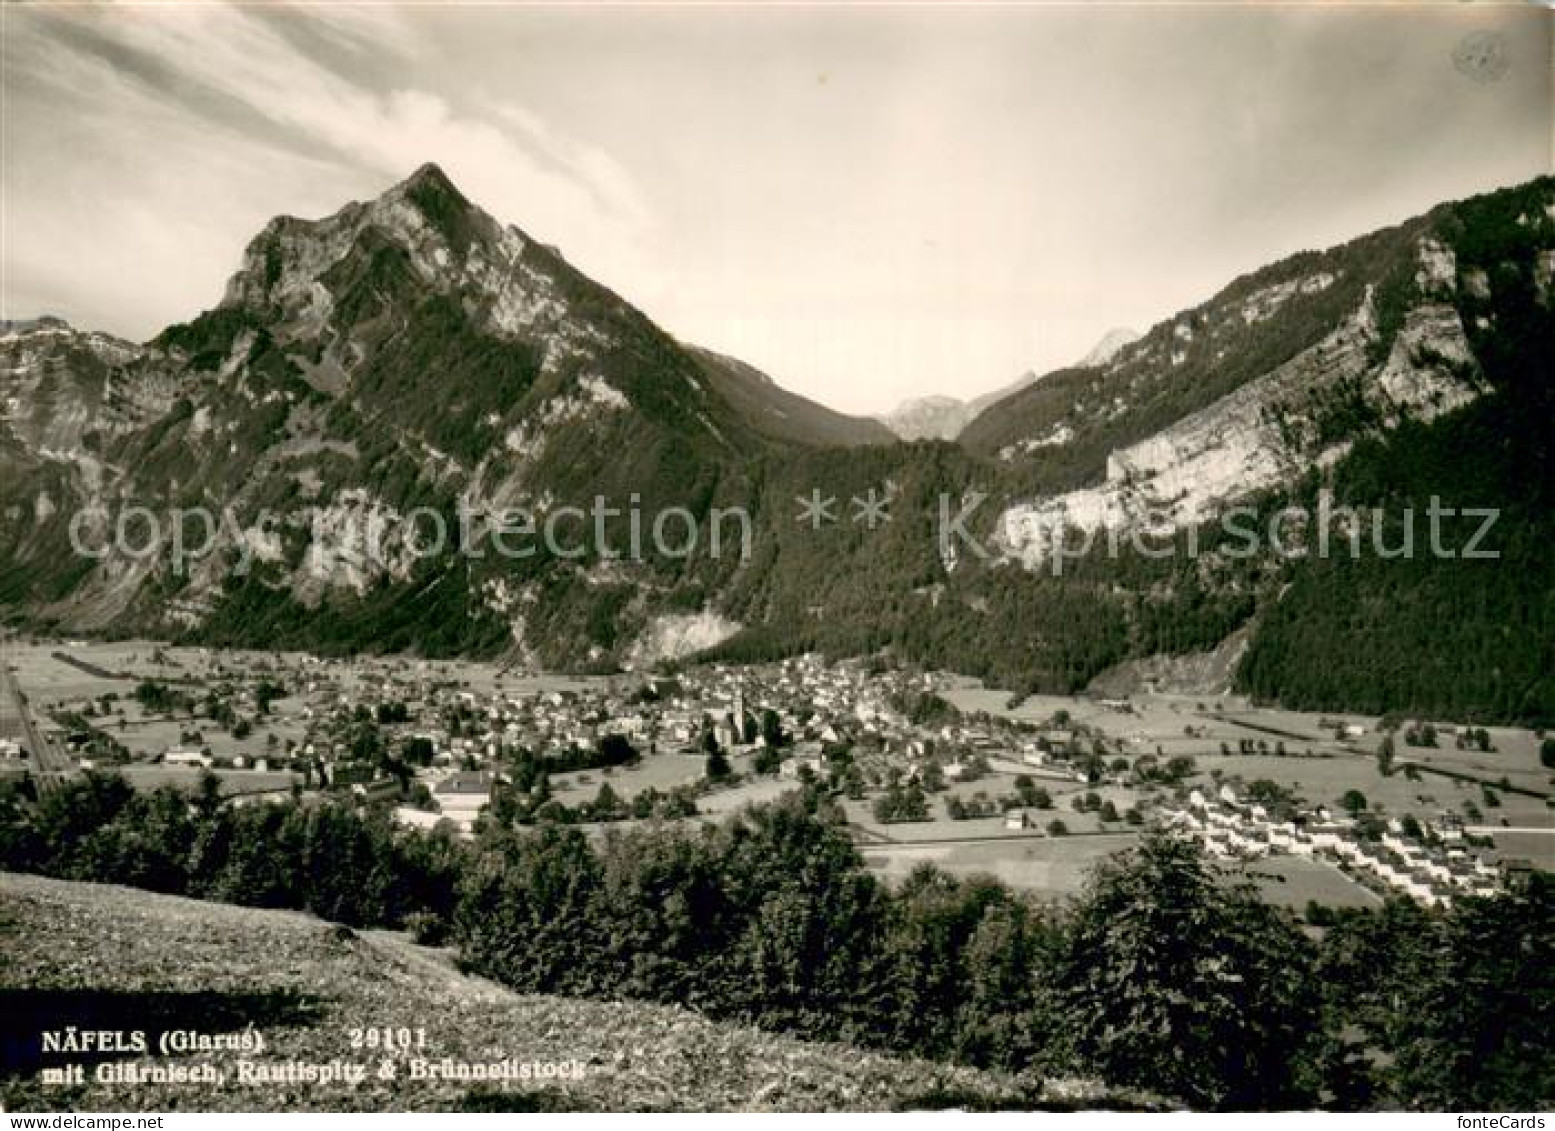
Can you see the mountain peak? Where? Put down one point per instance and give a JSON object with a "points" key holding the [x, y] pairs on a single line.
{"points": [[1111, 343], [436, 197], [935, 417], [428, 175]]}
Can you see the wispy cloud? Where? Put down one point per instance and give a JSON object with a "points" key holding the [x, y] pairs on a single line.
{"points": [[869, 203], [163, 110]]}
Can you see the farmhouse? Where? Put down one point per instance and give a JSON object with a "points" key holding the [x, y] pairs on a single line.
{"points": [[462, 796]]}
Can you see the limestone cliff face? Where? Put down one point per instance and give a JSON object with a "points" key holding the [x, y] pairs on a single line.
{"points": [[678, 636], [296, 272], [928, 418], [58, 383], [1430, 368], [1276, 426], [67, 397]]}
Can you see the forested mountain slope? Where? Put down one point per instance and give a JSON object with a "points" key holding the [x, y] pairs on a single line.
{"points": [[411, 362]]}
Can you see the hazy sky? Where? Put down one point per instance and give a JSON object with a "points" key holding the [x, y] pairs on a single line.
{"points": [[868, 203]]}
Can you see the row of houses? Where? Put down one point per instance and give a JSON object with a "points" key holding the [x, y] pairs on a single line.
{"points": [[1230, 827]]}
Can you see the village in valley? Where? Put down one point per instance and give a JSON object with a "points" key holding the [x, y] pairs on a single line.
{"points": [[1316, 812]]}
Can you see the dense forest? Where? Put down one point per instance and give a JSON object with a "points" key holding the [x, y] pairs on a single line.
{"points": [[1451, 636], [1160, 978]]}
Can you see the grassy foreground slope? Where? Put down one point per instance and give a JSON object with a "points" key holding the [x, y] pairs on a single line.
{"points": [[100, 956]]}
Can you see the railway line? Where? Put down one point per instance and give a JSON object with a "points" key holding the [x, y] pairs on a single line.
{"points": [[50, 768]]}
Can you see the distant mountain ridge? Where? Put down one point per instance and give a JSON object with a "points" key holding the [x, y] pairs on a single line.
{"points": [[928, 418], [944, 417], [783, 415], [31, 325]]}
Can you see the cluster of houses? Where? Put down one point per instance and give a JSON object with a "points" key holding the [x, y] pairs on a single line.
{"points": [[814, 703], [472, 729], [1230, 827], [672, 717]]}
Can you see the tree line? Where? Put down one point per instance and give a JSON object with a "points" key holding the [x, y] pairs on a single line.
{"points": [[1160, 977]]}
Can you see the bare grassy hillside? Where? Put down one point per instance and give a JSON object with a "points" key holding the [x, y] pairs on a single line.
{"points": [[111, 958]]}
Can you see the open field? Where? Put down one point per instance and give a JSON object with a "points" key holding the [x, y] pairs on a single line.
{"points": [[150, 735], [941, 827], [1057, 868], [233, 782], [1325, 780], [1292, 881], [1538, 847], [49, 679], [1516, 758], [1051, 867], [721, 802], [1320, 781], [970, 695], [663, 771], [1147, 716]]}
